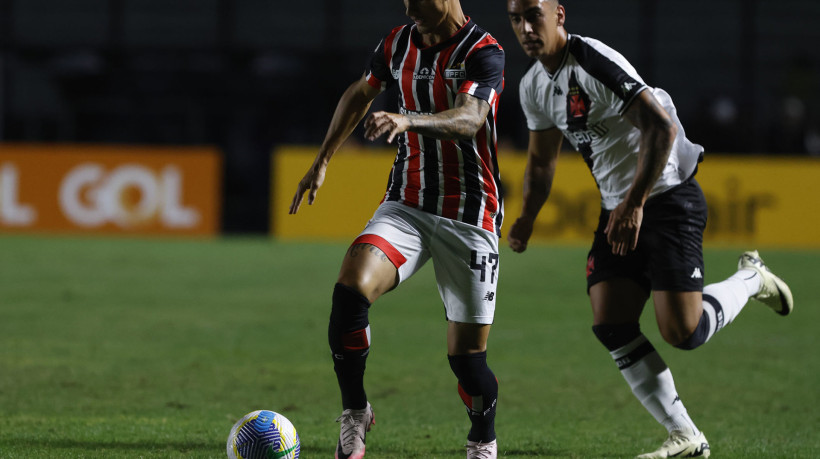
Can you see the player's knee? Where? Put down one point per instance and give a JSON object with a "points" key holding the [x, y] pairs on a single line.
{"points": [[349, 328], [616, 336], [695, 338], [676, 333], [355, 280]]}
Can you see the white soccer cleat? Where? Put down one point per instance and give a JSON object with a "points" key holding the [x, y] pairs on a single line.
{"points": [[774, 293], [479, 450], [680, 445], [354, 428]]}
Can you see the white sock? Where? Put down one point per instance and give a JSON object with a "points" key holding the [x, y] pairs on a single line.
{"points": [[651, 382], [751, 278], [731, 296]]}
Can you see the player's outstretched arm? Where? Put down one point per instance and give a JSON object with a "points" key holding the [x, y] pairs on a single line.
{"points": [[658, 133], [542, 157], [458, 123], [351, 108]]}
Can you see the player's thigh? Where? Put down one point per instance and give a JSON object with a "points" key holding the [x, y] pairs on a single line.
{"points": [[676, 221], [673, 225], [617, 300], [367, 269], [467, 268], [388, 251], [618, 285]]}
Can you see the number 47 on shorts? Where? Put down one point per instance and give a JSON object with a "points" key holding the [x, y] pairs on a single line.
{"points": [[480, 262]]}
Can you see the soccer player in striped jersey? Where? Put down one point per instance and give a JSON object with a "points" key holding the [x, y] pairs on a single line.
{"points": [[443, 203], [653, 213]]}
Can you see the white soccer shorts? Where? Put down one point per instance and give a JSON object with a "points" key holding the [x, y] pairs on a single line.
{"points": [[465, 257]]}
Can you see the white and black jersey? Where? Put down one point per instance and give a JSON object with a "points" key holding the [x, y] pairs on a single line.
{"points": [[586, 99]]}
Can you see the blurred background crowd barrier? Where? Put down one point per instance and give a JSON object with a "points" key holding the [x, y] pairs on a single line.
{"points": [[769, 202], [227, 82]]}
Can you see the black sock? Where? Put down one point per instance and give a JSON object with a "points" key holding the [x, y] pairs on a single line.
{"points": [[478, 389], [349, 338]]}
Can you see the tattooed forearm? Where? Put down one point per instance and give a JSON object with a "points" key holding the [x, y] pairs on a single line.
{"points": [[461, 122]]}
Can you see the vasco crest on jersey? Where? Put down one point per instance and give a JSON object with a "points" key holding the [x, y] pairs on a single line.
{"points": [[578, 105]]}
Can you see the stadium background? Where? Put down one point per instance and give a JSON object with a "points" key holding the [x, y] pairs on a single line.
{"points": [[242, 79]]}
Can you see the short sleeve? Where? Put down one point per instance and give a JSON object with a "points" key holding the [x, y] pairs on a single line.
{"points": [[485, 73], [378, 73], [618, 83], [537, 118]]}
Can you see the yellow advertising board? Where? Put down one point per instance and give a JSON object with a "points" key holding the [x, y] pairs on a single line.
{"points": [[753, 201], [353, 188], [109, 189]]}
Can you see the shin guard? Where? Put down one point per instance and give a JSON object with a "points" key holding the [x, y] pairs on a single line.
{"points": [[478, 389], [349, 339]]}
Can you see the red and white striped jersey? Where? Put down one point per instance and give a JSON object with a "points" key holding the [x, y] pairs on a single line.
{"points": [[456, 179]]}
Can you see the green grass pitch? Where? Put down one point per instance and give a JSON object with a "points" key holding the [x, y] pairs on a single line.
{"points": [[126, 348]]}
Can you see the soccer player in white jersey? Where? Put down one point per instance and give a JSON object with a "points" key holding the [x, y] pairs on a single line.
{"points": [[443, 203], [650, 233]]}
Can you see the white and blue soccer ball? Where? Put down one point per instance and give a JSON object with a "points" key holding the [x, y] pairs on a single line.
{"points": [[263, 434]]}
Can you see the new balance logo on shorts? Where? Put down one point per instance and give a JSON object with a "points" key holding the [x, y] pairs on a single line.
{"points": [[489, 296], [696, 274]]}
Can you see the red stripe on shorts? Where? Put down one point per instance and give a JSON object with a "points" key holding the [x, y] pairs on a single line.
{"points": [[394, 255]]}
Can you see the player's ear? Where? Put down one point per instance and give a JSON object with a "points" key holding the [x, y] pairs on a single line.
{"points": [[560, 15]]}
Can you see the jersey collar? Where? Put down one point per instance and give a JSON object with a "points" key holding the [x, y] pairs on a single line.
{"points": [[553, 76], [458, 36]]}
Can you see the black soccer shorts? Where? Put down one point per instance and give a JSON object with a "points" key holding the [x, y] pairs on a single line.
{"points": [[669, 255]]}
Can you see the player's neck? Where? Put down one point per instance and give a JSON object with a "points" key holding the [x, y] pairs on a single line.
{"points": [[552, 58], [446, 29]]}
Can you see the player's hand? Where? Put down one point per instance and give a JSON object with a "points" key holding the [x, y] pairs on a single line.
{"points": [[623, 228], [520, 233], [380, 123], [312, 180]]}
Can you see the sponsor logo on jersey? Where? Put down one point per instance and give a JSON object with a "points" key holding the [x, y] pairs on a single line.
{"points": [[424, 74], [696, 274], [627, 86], [586, 136]]}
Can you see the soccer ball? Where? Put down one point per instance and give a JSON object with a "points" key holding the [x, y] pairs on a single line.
{"points": [[263, 434]]}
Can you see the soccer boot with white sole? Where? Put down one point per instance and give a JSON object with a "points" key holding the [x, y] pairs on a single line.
{"points": [[354, 428], [774, 293], [680, 445], [479, 450]]}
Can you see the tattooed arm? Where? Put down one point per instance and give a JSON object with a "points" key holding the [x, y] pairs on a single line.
{"points": [[658, 133], [459, 122]]}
